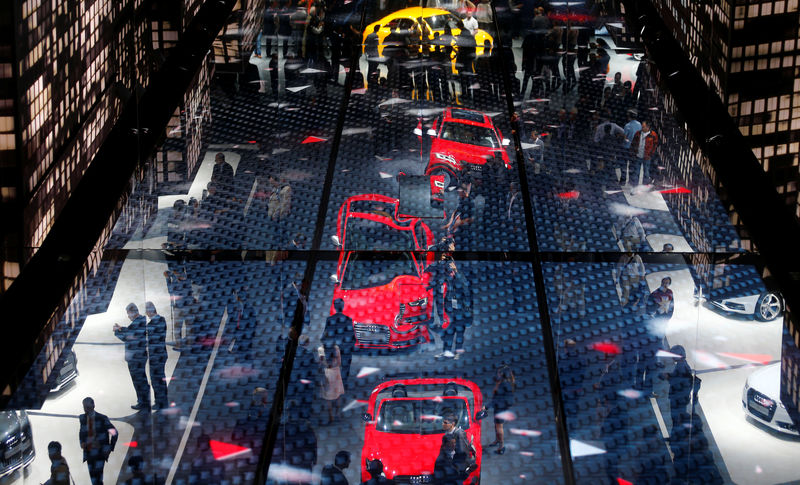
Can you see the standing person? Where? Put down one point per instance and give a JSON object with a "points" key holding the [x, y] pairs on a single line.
{"points": [[222, 174], [661, 303], [438, 271], [502, 400], [339, 331], [483, 13], [279, 205], [470, 23], [334, 474], [297, 21], [629, 279], [460, 223], [135, 338], [269, 27], [375, 470], [631, 234], [97, 437], [631, 128], [458, 305], [330, 359], [465, 55], [157, 354], [680, 387], [463, 444], [373, 57], [285, 25], [59, 470], [644, 145]]}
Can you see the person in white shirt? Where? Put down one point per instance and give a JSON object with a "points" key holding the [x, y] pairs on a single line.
{"points": [[471, 23]]}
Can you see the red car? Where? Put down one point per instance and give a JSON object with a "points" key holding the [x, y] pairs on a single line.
{"points": [[462, 140], [404, 426], [384, 295]]}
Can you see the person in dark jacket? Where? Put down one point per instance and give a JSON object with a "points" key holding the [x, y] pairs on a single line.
{"points": [[334, 474], [458, 305], [135, 338], [502, 400], [97, 437], [59, 470], [451, 466], [680, 387], [375, 470], [157, 354], [339, 331]]}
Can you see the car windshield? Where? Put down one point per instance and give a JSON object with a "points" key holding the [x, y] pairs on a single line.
{"points": [[469, 134], [437, 22], [368, 270], [420, 416]]}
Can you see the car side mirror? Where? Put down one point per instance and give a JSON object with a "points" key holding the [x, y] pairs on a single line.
{"points": [[431, 132], [506, 142], [336, 241], [366, 417], [481, 414]]}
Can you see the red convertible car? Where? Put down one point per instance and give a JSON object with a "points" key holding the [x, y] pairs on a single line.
{"points": [[404, 426], [462, 141], [384, 294]]}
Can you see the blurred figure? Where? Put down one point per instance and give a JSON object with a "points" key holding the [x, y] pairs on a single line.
{"points": [[629, 279], [59, 470], [668, 248], [373, 57], [333, 474], [460, 225], [631, 235], [451, 466], [458, 305], [97, 437], [680, 388], [339, 331], [502, 400], [375, 470], [661, 302], [222, 174], [330, 359], [644, 145]]}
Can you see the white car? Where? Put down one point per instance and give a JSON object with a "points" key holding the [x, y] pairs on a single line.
{"points": [[766, 306], [761, 399]]}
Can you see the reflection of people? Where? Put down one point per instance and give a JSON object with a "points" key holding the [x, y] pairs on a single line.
{"points": [[451, 466], [375, 470], [458, 305], [330, 359], [135, 338], [502, 400], [661, 303], [59, 470], [334, 474], [451, 428], [629, 277], [157, 354], [460, 223], [680, 386], [97, 437], [339, 331]]}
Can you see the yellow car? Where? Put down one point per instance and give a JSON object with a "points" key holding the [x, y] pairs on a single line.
{"points": [[428, 20]]}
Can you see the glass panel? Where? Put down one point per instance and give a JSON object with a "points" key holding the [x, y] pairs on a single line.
{"points": [[382, 379]]}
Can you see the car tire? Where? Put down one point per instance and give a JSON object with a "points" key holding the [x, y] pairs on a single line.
{"points": [[769, 307], [450, 179]]}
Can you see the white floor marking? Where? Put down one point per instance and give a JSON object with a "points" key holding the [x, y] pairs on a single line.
{"points": [[179, 454]]}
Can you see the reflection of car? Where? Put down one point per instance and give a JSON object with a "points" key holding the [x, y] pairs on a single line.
{"points": [[68, 371], [16, 441], [765, 306], [385, 295], [404, 425], [462, 141], [430, 20], [761, 399]]}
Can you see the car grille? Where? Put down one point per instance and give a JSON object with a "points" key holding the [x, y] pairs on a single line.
{"points": [[17, 451], [408, 479], [760, 405], [371, 334]]}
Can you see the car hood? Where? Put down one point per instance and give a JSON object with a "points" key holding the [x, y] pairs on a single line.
{"points": [[767, 381], [381, 304], [463, 152], [404, 454], [10, 424]]}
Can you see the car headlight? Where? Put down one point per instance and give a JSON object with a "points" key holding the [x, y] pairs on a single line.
{"points": [[418, 303], [445, 157]]}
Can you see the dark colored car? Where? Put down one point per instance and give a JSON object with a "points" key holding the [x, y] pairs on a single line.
{"points": [[16, 442], [68, 371]]}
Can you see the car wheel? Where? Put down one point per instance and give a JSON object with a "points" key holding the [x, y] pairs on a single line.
{"points": [[769, 307], [450, 180]]}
